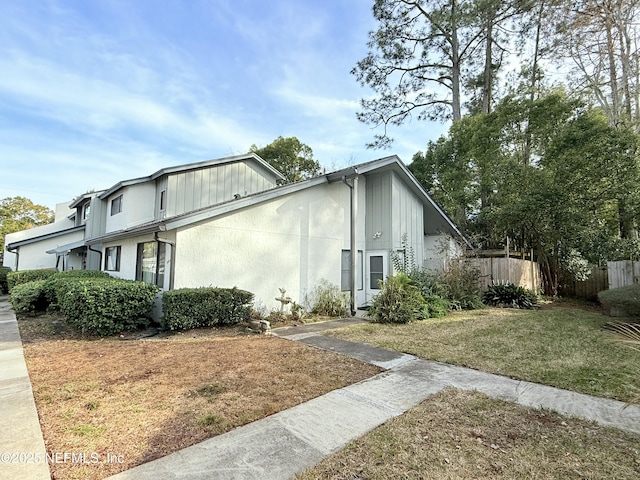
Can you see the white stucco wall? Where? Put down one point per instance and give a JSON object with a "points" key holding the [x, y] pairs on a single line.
{"points": [[138, 206], [291, 242], [439, 250], [37, 249], [34, 255]]}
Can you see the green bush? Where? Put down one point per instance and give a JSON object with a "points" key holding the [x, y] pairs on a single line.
{"points": [[509, 295], [622, 302], [4, 286], [187, 308], [436, 306], [24, 276], [30, 297], [329, 300], [399, 301], [106, 307], [57, 285]]}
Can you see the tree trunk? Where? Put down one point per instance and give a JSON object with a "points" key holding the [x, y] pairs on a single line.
{"points": [[487, 83], [455, 65]]}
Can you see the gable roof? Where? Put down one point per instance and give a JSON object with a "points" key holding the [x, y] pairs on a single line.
{"points": [[191, 166], [392, 163]]}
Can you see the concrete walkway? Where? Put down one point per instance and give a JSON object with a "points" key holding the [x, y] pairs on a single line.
{"points": [[22, 450], [288, 442]]}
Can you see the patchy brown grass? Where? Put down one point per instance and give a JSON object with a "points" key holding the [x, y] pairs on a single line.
{"points": [[466, 435], [141, 399]]}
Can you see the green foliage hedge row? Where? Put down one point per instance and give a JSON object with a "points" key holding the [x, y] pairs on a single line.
{"points": [[30, 297], [24, 276], [106, 307], [622, 302], [187, 308], [4, 286]]}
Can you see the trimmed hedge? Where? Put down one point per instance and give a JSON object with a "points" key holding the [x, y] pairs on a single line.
{"points": [[30, 297], [25, 276], [107, 307], [622, 302], [187, 308], [4, 286], [58, 284]]}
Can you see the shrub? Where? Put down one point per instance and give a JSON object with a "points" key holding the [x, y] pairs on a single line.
{"points": [[622, 302], [29, 297], [329, 300], [509, 295], [57, 285], [460, 285], [399, 301], [106, 307], [188, 308], [24, 276], [4, 286], [436, 306]]}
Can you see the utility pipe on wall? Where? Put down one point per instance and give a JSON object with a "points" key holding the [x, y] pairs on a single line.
{"points": [[353, 187]]}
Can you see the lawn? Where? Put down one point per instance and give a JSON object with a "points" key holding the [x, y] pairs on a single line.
{"points": [[141, 399], [466, 435], [558, 346]]}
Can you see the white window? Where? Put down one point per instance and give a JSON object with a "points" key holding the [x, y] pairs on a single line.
{"points": [[116, 205], [345, 273], [112, 259]]}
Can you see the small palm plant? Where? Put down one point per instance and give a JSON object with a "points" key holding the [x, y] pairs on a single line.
{"points": [[629, 334]]}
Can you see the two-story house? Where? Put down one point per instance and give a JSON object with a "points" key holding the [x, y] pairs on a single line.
{"points": [[229, 222]]}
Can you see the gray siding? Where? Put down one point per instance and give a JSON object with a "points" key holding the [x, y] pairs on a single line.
{"points": [[378, 212], [407, 218], [194, 189]]}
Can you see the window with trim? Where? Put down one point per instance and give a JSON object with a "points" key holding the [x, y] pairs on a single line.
{"points": [[345, 271], [163, 200], [116, 205], [150, 263], [112, 259]]}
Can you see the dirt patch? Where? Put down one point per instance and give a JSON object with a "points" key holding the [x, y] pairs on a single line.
{"points": [[133, 401]]}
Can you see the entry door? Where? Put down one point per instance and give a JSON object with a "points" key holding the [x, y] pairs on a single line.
{"points": [[377, 270]]}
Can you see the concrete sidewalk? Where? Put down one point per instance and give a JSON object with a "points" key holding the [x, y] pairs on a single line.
{"points": [[288, 442], [22, 450]]}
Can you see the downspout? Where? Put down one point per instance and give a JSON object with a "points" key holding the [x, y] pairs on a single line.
{"points": [[99, 252], [353, 187], [172, 258], [15, 250]]}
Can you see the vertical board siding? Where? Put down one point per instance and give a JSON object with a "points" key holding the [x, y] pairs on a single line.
{"points": [[195, 189], [407, 212], [378, 211]]}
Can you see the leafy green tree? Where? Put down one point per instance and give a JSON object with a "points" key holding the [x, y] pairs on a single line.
{"points": [[290, 157], [20, 213], [558, 200]]}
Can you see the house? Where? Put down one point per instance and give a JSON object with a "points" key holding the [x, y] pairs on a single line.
{"points": [[230, 222]]}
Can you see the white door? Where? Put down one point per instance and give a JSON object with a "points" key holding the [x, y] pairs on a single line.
{"points": [[377, 270]]}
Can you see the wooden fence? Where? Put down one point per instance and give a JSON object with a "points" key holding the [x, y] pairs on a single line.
{"points": [[623, 273], [521, 272], [588, 289]]}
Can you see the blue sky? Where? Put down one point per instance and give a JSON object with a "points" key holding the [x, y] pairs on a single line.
{"points": [[93, 92]]}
